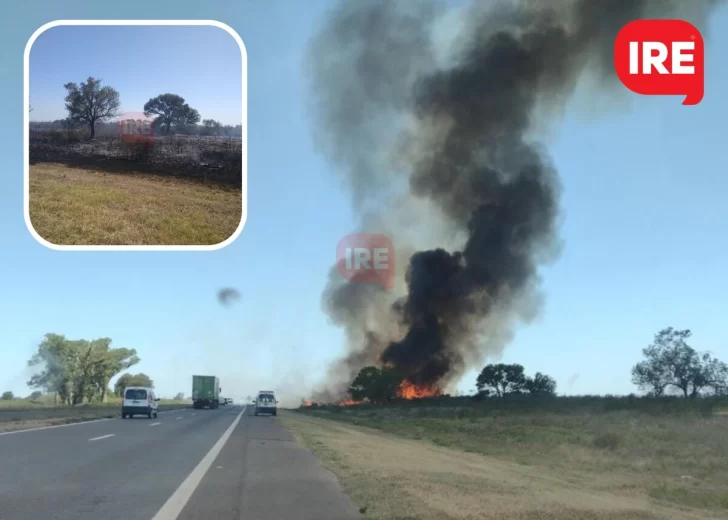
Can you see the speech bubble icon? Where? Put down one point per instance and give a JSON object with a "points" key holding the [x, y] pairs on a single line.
{"points": [[661, 58], [366, 258]]}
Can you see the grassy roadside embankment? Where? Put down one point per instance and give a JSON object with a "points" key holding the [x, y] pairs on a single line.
{"points": [[492, 462], [21, 414], [76, 206]]}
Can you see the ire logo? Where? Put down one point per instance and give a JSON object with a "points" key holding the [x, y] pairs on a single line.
{"points": [[366, 258], [661, 57], [136, 127]]}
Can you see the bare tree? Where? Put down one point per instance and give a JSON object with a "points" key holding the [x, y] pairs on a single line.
{"points": [[89, 102]]}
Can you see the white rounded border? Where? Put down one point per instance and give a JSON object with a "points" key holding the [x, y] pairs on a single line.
{"points": [[26, 137]]}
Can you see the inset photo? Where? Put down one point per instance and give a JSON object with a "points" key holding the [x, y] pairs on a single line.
{"points": [[135, 135]]}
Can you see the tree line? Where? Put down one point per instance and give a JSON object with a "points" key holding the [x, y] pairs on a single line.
{"points": [[382, 385], [79, 371], [90, 104], [670, 367]]}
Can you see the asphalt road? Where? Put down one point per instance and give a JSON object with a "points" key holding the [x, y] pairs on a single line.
{"points": [[187, 464]]}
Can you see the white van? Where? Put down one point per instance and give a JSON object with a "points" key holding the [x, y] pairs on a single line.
{"points": [[138, 400], [266, 402]]}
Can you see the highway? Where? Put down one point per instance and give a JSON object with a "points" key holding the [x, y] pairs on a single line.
{"points": [[187, 464]]}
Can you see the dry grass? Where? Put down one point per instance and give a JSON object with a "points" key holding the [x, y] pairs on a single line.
{"points": [[74, 206], [525, 467]]}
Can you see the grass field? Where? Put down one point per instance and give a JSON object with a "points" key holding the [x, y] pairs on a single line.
{"points": [[480, 463], [78, 206], [21, 414]]}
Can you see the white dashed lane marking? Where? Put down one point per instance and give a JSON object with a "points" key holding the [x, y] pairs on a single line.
{"points": [[102, 437]]}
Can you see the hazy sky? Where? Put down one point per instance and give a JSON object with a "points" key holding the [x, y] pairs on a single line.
{"points": [[644, 217], [200, 63]]}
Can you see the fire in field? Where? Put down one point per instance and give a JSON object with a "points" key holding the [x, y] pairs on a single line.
{"points": [[432, 117], [433, 121]]}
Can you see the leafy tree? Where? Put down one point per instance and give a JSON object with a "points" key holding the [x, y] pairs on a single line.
{"points": [[89, 102], [34, 396], [210, 127], [188, 120], [106, 363], [179, 397], [502, 379], [57, 354], [363, 383], [7, 396], [172, 112], [387, 386], [540, 384], [671, 363], [78, 370], [376, 385], [126, 380]]}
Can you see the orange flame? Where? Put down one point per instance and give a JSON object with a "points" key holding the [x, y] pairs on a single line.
{"points": [[408, 390]]}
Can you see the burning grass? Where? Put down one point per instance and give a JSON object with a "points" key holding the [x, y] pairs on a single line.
{"points": [[591, 457], [75, 206], [406, 392]]}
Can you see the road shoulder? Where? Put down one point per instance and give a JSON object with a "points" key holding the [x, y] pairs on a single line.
{"points": [[263, 473], [394, 477]]}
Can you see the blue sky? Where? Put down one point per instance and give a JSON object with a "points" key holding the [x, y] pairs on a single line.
{"points": [[644, 234], [200, 63]]}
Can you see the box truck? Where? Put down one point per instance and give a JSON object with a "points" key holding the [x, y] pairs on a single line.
{"points": [[205, 391]]}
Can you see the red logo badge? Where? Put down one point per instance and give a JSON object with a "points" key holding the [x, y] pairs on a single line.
{"points": [[660, 58]]}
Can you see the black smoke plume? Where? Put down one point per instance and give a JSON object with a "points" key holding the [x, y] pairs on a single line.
{"points": [[441, 147]]}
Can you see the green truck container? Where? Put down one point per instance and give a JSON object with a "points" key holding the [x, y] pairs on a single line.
{"points": [[205, 391]]}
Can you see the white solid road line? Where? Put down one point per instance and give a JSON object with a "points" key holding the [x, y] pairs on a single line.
{"points": [[174, 505], [102, 437]]}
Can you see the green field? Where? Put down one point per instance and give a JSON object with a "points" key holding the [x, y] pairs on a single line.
{"points": [[77, 206]]}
